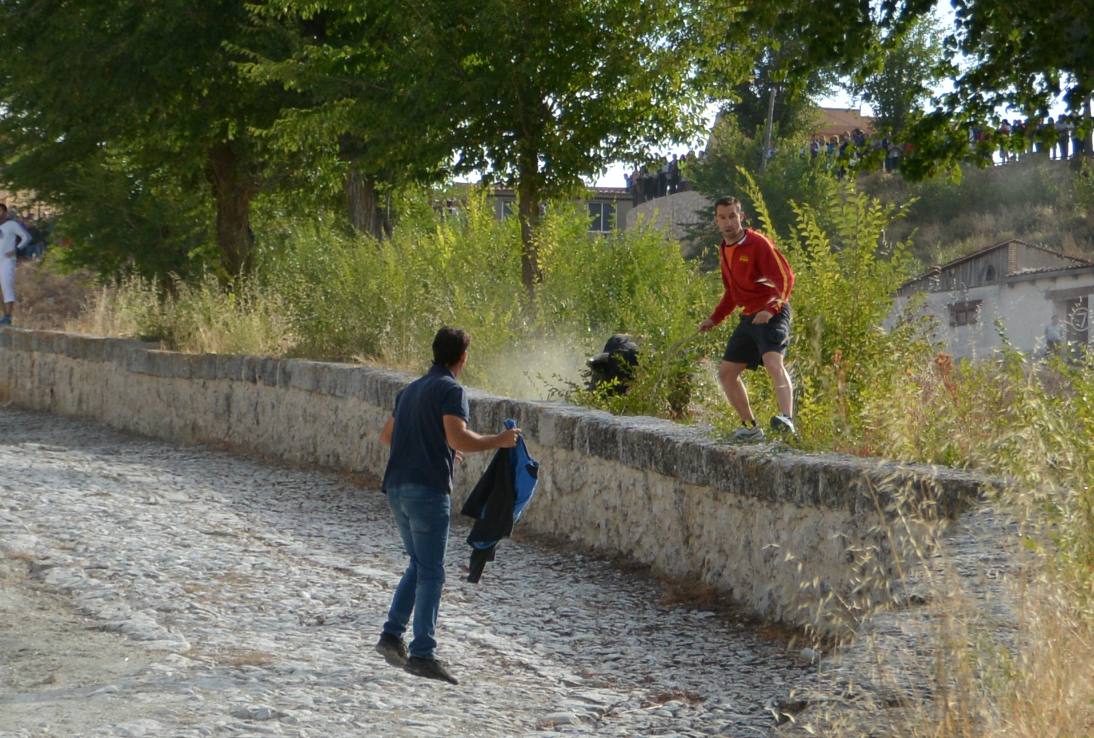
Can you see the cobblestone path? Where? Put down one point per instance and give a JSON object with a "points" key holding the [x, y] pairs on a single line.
{"points": [[153, 590]]}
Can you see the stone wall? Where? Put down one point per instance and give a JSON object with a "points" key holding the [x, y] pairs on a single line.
{"points": [[675, 213], [755, 522]]}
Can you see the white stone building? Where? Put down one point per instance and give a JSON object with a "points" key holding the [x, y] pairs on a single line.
{"points": [[1016, 284]]}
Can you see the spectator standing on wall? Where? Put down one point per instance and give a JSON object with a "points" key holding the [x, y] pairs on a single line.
{"points": [[427, 432], [663, 178], [12, 234], [674, 175], [649, 188], [687, 170], [636, 186], [757, 279]]}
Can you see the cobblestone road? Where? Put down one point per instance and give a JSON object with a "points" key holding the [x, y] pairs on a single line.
{"points": [[152, 590]]}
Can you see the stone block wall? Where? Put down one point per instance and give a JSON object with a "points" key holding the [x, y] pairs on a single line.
{"points": [[775, 530]]}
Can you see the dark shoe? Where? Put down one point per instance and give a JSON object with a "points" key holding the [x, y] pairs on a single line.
{"points": [[428, 668], [392, 649], [748, 434]]}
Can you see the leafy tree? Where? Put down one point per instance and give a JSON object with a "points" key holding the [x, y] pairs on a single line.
{"points": [[1019, 54], [549, 91], [156, 93], [361, 71], [790, 176], [911, 66]]}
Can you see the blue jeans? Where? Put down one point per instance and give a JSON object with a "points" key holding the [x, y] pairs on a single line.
{"points": [[422, 514]]}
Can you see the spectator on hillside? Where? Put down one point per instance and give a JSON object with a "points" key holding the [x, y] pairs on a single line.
{"points": [[1063, 136], [892, 157], [1018, 139], [1077, 142], [1054, 336], [1004, 141], [12, 234], [1044, 132]]}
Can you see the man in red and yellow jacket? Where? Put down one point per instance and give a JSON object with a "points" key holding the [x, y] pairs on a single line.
{"points": [[758, 280]]}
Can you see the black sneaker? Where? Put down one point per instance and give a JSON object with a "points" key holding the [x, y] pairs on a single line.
{"points": [[783, 424], [392, 649], [428, 668]]}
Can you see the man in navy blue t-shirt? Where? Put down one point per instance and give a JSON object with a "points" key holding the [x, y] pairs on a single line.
{"points": [[427, 433]]}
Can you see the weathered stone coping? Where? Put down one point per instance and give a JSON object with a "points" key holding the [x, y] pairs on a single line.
{"points": [[662, 493]]}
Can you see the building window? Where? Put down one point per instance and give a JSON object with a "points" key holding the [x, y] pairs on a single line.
{"points": [[989, 274], [505, 208], [965, 313], [601, 215]]}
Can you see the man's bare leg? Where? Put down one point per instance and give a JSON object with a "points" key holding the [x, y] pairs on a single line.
{"points": [[729, 376], [780, 380]]}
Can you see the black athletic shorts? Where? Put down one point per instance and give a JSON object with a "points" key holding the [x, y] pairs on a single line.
{"points": [[750, 341]]}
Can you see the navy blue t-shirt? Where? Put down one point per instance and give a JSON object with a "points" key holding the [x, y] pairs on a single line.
{"points": [[419, 447]]}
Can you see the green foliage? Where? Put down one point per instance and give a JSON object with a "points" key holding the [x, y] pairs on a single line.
{"points": [[116, 221], [846, 276], [156, 99], [1084, 190], [789, 176], [911, 67]]}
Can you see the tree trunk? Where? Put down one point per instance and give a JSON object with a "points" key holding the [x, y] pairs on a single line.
{"points": [[529, 194], [227, 171], [365, 212]]}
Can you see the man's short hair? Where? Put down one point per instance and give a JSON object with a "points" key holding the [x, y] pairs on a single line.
{"points": [[727, 201], [449, 345]]}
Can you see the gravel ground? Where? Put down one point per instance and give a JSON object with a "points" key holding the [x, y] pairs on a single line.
{"points": [[153, 590]]}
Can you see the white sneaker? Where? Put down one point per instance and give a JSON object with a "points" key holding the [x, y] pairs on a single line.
{"points": [[783, 424]]}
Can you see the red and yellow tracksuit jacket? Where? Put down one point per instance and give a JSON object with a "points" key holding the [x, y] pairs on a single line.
{"points": [[756, 277]]}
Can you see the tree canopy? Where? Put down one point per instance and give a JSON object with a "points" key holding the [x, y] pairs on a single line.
{"points": [[140, 89], [173, 116]]}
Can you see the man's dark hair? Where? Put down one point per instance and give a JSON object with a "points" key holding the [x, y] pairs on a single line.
{"points": [[726, 200], [449, 345]]}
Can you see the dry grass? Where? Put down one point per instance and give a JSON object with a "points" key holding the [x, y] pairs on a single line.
{"points": [[1043, 688], [48, 299]]}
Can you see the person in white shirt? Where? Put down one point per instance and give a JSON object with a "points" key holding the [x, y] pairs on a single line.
{"points": [[12, 233]]}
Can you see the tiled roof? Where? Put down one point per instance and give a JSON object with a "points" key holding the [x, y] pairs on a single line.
{"points": [[1077, 262], [834, 121]]}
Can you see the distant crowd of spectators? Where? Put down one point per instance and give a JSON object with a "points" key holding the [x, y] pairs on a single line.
{"points": [[657, 179], [1058, 138], [843, 152]]}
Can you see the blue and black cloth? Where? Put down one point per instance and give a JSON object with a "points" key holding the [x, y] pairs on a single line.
{"points": [[498, 500]]}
